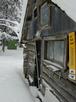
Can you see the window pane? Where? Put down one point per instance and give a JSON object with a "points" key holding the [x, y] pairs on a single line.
{"points": [[59, 51], [55, 51], [35, 13], [44, 14], [50, 50]]}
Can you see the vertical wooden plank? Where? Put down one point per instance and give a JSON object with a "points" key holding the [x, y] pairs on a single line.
{"points": [[72, 56]]}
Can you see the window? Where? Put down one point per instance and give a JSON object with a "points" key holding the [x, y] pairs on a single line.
{"points": [[50, 50], [45, 14], [59, 51], [35, 13], [55, 50], [34, 1]]}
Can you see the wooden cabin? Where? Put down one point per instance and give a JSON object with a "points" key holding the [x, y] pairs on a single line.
{"points": [[46, 34]]}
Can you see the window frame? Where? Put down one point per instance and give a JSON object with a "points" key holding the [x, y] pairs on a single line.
{"points": [[49, 20], [53, 59]]}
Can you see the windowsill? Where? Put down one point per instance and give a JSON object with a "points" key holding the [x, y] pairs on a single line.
{"points": [[45, 26], [53, 64]]}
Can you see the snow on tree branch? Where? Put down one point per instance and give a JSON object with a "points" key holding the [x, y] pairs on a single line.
{"points": [[11, 9]]}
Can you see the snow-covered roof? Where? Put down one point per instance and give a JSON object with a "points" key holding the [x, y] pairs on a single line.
{"points": [[69, 6]]}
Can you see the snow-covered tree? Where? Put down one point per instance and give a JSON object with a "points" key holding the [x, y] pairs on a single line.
{"points": [[12, 12], [11, 9]]}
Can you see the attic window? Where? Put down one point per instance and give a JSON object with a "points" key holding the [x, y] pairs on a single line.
{"points": [[45, 14], [34, 1], [35, 13]]}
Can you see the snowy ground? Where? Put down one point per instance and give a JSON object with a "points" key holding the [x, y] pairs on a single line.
{"points": [[12, 86]]}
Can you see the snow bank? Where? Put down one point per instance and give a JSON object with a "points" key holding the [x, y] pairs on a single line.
{"points": [[36, 94], [12, 86], [50, 97], [69, 6]]}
